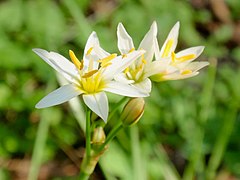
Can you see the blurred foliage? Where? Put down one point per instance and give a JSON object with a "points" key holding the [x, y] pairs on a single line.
{"points": [[175, 112]]}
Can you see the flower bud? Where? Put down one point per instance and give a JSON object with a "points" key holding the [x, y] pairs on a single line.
{"points": [[98, 136], [132, 111]]}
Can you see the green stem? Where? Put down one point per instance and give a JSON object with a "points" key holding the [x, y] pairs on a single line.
{"points": [[221, 143], [111, 135], [138, 172], [38, 148], [88, 133]]}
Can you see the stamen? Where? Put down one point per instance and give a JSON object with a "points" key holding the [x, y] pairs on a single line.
{"points": [[75, 60], [167, 48], [173, 55], [124, 55], [105, 65], [144, 61], [107, 59], [187, 71], [186, 57], [131, 50], [126, 70], [89, 74], [89, 51]]}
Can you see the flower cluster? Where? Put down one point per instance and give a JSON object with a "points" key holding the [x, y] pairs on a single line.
{"points": [[128, 74]]}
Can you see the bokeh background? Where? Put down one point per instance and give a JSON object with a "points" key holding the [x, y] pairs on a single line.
{"points": [[189, 127]]}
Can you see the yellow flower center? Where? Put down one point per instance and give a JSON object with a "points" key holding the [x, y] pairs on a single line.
{"points": [[90, 80], [135, 71]]}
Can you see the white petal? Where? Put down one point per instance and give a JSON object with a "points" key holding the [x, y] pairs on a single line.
{"points": [[59, 96], [173, 35], [121, 77], [177, 76], [125, 89], [145, 85], [156, 49], [193, 50], [119, 64], [195, 66], [156, 67], [101, 53], [59, 63], [98, 103], [148, 42], [125, 43], [92, 42]]}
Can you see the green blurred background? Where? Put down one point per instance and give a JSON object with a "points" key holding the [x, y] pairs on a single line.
{"points": [[185, 123]]}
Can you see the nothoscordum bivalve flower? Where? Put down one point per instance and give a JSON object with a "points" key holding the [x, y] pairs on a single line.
{"points": [[133, 111], [135, 73], [172, 66], [89, 77]]}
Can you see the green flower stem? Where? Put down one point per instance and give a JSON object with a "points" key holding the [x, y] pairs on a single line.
{"points": [[221, 143], [38, 148], [138, 171], [88, 133], [112, 133]]}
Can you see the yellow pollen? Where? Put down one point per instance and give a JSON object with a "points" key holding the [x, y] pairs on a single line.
{"points": [[187, 71], [144, 61], [167, 48], [131, 50], [75, 60], [173, 55], [186, 57], [89, 51], [89, 74], [124, 55], [107, 59], [106, 64], [126, 70]]}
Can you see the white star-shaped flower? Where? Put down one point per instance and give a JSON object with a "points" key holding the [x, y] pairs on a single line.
{"points": [[135, 74], [172, 66], [90, 77]]}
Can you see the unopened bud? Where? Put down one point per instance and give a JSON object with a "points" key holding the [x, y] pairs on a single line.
{"points": [[98, 136], [132, 111]]}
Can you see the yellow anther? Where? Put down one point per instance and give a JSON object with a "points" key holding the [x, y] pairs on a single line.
{"points": [[173, 55], [89, 74], [186, 57], [144, 61], [187, 71], [131, 50], [107, 59], [167, 48], [105, 64], [124, 55], [75, 60], [126, 70], [89, 50]]}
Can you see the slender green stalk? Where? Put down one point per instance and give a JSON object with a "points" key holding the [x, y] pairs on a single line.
{"points": [[38, 148], [221, 143], [138, 171], [112, 134], [88, 133]]}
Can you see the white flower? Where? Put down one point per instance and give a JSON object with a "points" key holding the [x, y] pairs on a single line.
{"points": [[171, 66], [135, 74], [89, 77]]}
